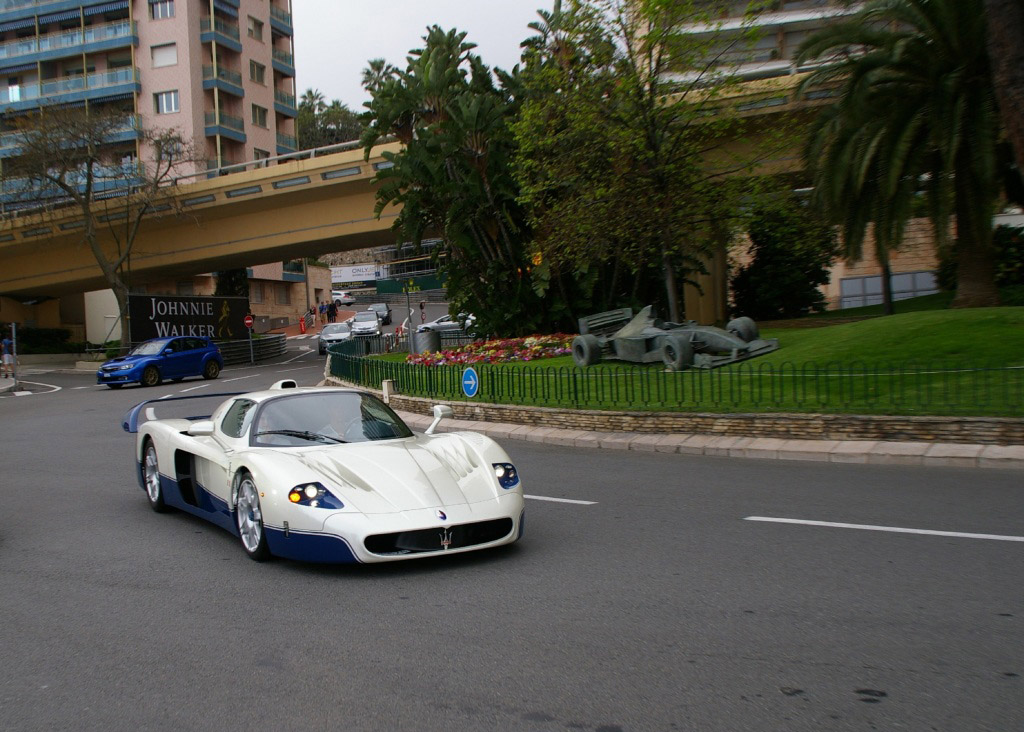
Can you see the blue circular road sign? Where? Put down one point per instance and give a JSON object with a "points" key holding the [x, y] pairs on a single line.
{"points": [[470, 382]]}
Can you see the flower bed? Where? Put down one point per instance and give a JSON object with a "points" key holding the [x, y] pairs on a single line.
{"points": [[499, 351]]}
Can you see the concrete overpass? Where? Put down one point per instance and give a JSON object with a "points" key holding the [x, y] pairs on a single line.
{"points": [[285, 211]]}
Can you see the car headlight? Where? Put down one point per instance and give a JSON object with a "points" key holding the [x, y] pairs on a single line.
{"points": [[507, 475], [126, 366], [314, 495]]}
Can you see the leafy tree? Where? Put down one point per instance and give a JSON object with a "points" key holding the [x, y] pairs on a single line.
{"points": [[617, 136], [916, 110], [452, 177], [64, 159], [792, 250], [232, 283], [1006, 50], [319, 124]]}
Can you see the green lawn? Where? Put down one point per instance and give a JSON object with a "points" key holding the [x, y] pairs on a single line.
{"points": [[927, 362]]}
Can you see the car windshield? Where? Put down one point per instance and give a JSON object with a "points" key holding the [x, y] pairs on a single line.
{"points": [[335, 329], [326, 418], [149, 348], [366, 315], [379, 307]]}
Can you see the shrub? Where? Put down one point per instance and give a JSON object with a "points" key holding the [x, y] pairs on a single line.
{"points": [[1008, 242]]}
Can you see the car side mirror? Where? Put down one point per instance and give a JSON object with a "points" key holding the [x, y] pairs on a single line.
{"points": [[168, 351], [202, 428], [440, 412]]}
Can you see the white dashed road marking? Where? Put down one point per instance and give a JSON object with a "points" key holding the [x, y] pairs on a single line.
{"points": [[193, 388], [560, 500], [239, 378], [891, 529]]}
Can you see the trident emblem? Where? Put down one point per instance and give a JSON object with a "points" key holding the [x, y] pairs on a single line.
{"points": [[446, 538]]}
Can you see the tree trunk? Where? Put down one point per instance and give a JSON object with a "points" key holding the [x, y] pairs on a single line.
{"points": [[670, 288], [1006, 54], [887, 308], [975, 256]]}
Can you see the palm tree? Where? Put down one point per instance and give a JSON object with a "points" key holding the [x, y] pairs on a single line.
{"points": [[313, 100], [915, 113]]}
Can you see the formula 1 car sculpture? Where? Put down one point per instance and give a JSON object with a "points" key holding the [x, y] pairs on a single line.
{"points": [[646, 339]]}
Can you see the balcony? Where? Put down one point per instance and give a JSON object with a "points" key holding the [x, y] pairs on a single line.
{"points": [[25, 192], [95, 86], [227, 126], [57, 45], [280, 20], [226, 34], [224, 79], [286, 143], [15, 9], [10, 142], [284, 103], [283, 62]]}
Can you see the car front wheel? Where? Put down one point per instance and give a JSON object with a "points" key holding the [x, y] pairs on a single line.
{"points": [[211, 370], [151, 478], [150, 377], [249, 519]]}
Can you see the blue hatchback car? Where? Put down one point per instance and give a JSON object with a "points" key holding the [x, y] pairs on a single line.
{"points": [[151, 362]]}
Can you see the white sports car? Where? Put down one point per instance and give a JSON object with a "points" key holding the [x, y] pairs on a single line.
{"points": [[327, 474]]}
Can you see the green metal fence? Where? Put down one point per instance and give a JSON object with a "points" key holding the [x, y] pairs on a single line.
{"points": [[850, 388]]}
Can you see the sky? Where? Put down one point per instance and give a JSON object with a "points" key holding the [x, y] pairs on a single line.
{"points": [[334, 39]]}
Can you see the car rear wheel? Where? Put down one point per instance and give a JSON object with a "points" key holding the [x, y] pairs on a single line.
{"points": [[249, 519], [586, 350], [211, 370], [150, 377], [151, 478]]}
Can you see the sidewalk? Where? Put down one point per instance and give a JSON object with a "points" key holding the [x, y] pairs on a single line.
{"points": [[932, 454]]}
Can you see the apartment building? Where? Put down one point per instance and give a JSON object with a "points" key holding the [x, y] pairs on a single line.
{"points": [[220, 72]]}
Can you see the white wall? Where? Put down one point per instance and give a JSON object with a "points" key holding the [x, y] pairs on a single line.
{"points": [[100, 316]]}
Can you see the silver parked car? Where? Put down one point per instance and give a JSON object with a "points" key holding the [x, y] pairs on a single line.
{"points": [[366, 323], [333, 333], [462, 321]]}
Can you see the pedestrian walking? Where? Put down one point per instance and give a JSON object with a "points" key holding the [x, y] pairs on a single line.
{"points": [[332, 313], [323, 313], [7, 354]]}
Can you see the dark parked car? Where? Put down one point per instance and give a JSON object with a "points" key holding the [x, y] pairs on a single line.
{"points": [[151, 362], [383, 310]]}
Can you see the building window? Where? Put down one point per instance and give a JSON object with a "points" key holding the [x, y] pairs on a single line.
{"points": [[259, 115], [165, 55], [257, 72], [255, 28], [256, 293], [282, 293], [258, 154], [166, 102], [162, 9]]}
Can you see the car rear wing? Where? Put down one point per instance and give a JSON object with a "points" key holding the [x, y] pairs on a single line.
{"points": [[606, 323], [130, 423]]}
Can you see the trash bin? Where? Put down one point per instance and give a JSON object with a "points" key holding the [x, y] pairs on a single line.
{"points": [[427, 341]]}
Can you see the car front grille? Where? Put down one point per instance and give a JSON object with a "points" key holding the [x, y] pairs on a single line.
{"points": [[433, 540]]}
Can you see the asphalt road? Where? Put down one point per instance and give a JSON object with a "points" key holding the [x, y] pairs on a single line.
{"points": [[651, 603]]}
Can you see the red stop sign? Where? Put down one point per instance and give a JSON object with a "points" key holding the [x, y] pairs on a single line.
{"points": [[248, 321]]}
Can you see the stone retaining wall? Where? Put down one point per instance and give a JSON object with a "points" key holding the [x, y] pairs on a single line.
{"points": [[969, 430]]}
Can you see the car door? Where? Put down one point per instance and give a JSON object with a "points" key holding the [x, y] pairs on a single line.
{"points": [[195, 348], [172, 362], [214, 453]]}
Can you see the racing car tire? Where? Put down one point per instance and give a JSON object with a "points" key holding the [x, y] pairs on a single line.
{"points": [[744, 327], [211, 370], [249, 518], [586, 350], [151, 477], [150, 377], [677, 352]]}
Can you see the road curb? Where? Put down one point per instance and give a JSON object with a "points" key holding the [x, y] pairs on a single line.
{"points": [[929, 454]]}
